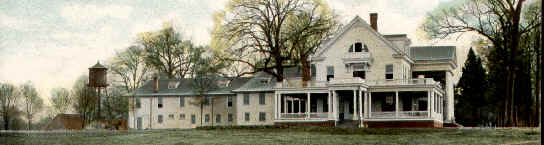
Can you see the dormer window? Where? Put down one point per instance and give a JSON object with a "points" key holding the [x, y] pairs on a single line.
{"points": [[358, 47], [264, 81], [223, 83], [173, 84]]}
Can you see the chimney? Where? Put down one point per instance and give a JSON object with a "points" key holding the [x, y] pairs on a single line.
{"points": [[374, 21], [156, 83]]}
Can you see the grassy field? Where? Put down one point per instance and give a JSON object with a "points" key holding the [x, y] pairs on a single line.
{"points": [[312, 135]]}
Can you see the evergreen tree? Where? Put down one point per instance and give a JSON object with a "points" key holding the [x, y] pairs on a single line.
{"points": [[471, 104]]}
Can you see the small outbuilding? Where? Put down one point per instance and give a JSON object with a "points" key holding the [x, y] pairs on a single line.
{"points": [[66, 122]]}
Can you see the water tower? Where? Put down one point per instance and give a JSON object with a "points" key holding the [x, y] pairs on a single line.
{"points": [[98, 81]]}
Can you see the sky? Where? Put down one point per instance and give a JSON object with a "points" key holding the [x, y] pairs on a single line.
{"points": [[53, 42]]}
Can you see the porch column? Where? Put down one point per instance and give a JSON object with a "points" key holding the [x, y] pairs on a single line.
{"points": [[365, 111], [329, 104], [396, 104], [428, 104], [299, 106], [308, 106], [334, 106], [354, 105], [433, 102], [369, 104], [292, 104], [285, 110], [276, 102], [360, 104]]}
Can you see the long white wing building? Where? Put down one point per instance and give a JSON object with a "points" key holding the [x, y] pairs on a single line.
{"points": [[360, 78]]}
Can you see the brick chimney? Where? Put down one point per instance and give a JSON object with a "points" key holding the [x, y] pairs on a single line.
{"points": [[156, 83], [374, 21]]}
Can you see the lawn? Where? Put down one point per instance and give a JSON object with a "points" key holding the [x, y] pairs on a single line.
{"points": [[313, 135]]}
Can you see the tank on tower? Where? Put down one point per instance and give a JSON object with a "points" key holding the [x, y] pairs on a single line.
{"points": [[97, 76]]}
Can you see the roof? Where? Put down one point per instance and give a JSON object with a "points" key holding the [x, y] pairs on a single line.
{"points": [[98, 65], [394, 35], [260, 82], [186, 86], [429, 53]]}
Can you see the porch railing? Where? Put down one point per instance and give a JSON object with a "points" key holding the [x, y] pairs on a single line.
{"points": [[293, 115], [305, 116], [413, 114], [402, 114], [419, 81], [298, 83], [383, 115], [321, 115]]}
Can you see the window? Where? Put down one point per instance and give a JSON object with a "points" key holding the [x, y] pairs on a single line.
{"points": [[159, 104], [330, 72], [360, 74], [358, 47], [262, 116], [207, 118], [159, 118], [181, 116], [313, 70], [229, 101], [218, 118], [229, 117], [173, 85], [246, 99], [359, 70], [193, 118], [246, 116], [389, 100], [138, 102], [170, 116], [389, 71], [262, 99], [181, 101]]}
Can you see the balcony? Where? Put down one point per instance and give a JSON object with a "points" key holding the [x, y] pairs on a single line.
{"points": [[353, 80], [404, 82], [356, 57], [298, 83]]}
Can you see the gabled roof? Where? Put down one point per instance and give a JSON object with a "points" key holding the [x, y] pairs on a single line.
{"points": [[349, 26], [429, 53]]}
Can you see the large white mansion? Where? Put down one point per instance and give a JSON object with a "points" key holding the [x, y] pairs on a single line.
{"points": [[359, 77]]}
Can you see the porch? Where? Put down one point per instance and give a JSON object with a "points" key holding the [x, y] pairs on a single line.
{"points": [[342, 100]]}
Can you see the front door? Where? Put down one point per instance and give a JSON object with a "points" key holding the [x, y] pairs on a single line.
{"points": [[341, 107], [139, 123]]}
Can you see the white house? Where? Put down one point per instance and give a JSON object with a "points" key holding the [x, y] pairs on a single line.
{"points": [[359, 78]]}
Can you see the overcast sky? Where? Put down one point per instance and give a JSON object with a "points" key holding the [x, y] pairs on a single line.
{"points": [[52, 42]]}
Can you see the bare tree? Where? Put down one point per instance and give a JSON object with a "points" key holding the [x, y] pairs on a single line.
{"points": [[85, 99], [32, 102], [307, 30], [115, 104], [256, 33], [9, 98], [499, 21], [204, 75], [129, 65], [166, 51], [61, 100]]}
